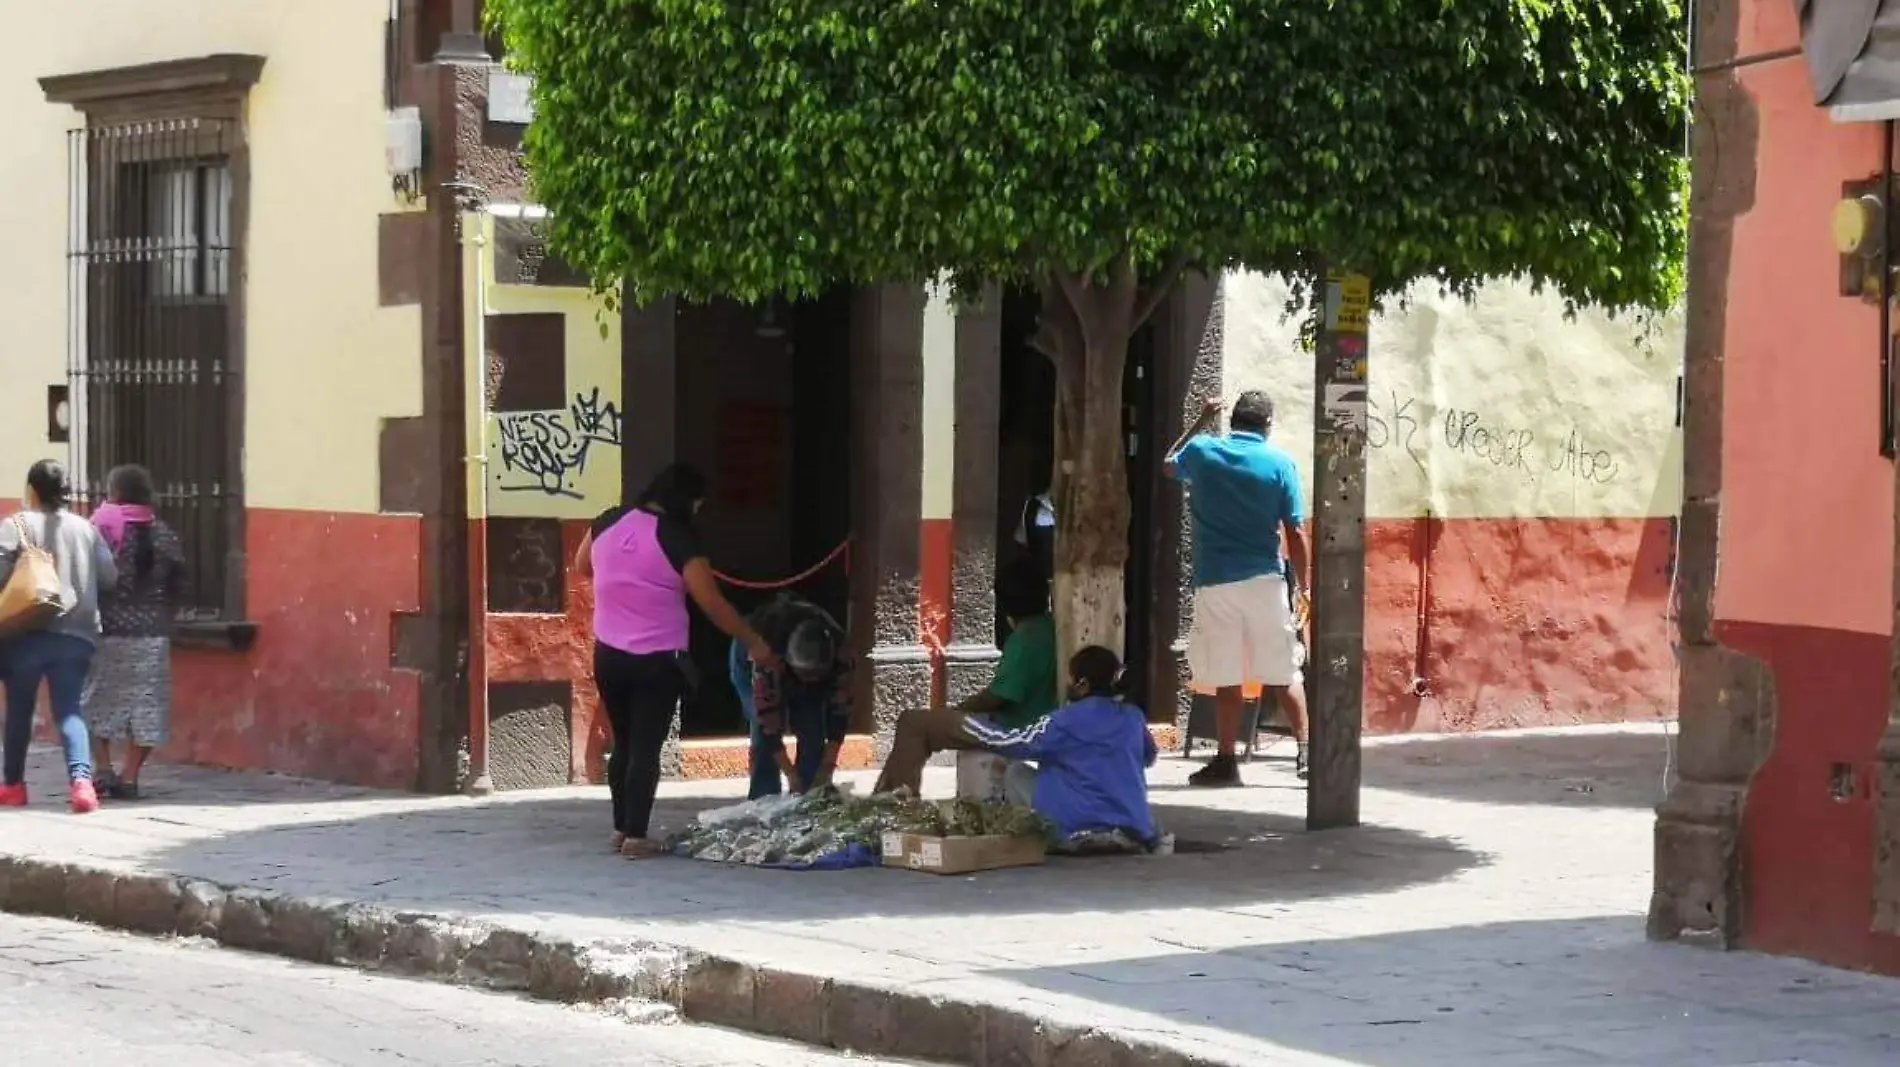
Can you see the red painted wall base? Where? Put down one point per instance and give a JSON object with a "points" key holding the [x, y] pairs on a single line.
{"points": [[316, 695], [1808, 825]]}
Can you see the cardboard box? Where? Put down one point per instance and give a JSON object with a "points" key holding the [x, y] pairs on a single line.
{"points": [[962, 855]]}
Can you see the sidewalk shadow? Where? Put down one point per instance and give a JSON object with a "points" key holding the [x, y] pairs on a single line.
{"points": [[1579, 770], [1570, 992], [547, 856], [1576, 770]]}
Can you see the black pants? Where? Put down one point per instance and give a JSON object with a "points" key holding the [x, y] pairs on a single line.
{"points": [[641, 694]]}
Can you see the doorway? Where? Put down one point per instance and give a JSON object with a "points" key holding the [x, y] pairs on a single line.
{"points": [[1025, 454], [761, 391]]}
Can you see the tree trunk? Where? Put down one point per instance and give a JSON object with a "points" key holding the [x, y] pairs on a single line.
{"points": [[1090, 493], [1086, 324]]}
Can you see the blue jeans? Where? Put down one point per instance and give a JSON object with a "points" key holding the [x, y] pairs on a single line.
{"points": [[806, 724], [61, 661]]}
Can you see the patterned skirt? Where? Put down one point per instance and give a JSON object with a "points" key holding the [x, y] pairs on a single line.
{"points": [[129, 692]]}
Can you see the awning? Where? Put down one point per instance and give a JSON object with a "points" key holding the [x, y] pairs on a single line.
{"points": [[1853, 54]]}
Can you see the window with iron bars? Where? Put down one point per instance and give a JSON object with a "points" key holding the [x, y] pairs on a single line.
{"points": [[150, 371]]}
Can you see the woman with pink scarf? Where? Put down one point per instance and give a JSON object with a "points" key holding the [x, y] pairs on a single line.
{"points": [[129, 696]]}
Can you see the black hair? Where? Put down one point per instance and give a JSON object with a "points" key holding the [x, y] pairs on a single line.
{"points": [[1022, 590], [1100, 671], [49, 483], [811, 647], [1253, 412], [674, 491], [132, 484]]}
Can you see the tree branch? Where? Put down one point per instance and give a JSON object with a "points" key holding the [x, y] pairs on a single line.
{"points": [[1124, 286], [1158, 290], [1075, 296], [1070, 289]]}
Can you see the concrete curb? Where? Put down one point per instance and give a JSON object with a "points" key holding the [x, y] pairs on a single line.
{"points": [[707, 989]]}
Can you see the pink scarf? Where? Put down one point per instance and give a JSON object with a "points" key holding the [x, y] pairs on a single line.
{"points": [[112, 519]]}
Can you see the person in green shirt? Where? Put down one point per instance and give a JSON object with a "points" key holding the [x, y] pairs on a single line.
{"points": [[1023, 690]]}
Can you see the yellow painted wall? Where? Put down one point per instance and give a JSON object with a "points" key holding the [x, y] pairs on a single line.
{"points": [[564, 463], [326, 364], [1500, 408]]}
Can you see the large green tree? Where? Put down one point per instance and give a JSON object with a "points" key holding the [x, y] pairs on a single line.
{"points": [[1095, 149]]}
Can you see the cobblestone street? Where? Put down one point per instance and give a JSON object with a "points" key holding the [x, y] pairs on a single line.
{"points": [[1491, 908], [73, 994]]}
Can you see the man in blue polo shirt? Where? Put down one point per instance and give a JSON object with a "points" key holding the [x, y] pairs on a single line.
{"points": [[1242, 493]]}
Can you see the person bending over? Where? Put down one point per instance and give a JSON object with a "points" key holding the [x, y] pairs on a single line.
{"points": [[806, 694]]}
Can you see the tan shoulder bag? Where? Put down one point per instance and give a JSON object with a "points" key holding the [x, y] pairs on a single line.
{"points": [[33, 595]]}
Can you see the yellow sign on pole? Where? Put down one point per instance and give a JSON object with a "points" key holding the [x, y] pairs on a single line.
{"points": [[1350, 303]]}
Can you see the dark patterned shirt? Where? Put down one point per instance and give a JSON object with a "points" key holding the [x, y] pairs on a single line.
{"points": [[142, 606], [776, 690]]}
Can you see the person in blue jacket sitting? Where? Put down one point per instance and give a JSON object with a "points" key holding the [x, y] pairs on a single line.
{"points": [[1091, 755]]}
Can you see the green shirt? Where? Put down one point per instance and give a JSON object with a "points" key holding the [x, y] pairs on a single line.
{"points": [[1026, 678]]}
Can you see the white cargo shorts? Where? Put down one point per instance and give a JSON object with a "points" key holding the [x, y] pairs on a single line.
{"points": [[1244, 635]]}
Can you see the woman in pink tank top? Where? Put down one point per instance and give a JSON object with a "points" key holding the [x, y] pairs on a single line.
{"points": [[645, 561]]}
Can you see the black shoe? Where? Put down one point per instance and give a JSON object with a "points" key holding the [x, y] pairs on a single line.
{"points": [[1222, 772], [1299, 765]]}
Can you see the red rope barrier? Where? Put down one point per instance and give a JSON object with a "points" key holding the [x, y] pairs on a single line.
{"points": [[741, 583]]}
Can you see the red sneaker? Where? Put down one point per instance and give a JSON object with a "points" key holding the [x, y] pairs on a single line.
{"points": [[82, 797], [13, 796]]}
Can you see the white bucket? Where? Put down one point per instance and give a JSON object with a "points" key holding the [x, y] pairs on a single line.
{"points": [[980, 777]]}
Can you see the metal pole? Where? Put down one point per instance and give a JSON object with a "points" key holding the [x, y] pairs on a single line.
{"points": [[1337, 663], [471, 203]]}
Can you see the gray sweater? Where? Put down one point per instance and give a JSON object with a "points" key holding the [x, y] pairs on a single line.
{"points": [[82, 556]]}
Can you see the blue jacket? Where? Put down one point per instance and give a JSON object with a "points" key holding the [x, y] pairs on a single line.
{"points": [[1092, 758]]}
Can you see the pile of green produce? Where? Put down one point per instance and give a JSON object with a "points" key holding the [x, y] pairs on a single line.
{"points": [[802, 831]]}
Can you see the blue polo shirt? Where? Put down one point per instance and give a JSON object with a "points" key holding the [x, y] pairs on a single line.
{"points": [[1240, 490]]}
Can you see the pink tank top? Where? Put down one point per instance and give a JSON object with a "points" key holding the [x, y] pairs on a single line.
{"points": [[639, 599]]}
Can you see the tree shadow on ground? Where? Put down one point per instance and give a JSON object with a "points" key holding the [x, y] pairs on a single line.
{"points": [[548, 856], [1562, 992]]}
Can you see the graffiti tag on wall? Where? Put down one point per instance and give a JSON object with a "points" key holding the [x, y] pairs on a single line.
{"points": [[1406, 423], [546, 451]]}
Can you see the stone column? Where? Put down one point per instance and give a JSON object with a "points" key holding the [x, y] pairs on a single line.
{"points": [[886, 506], [1188, 367], [463, 43], [971, 654], [649, 353], [649, 362], [1886, 770], [1727, 706]]}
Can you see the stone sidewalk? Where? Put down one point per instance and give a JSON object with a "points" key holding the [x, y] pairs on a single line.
{"points": [[1492, 908]]}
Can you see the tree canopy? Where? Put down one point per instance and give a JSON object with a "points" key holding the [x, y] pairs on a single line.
{"points": [[747, 148]]}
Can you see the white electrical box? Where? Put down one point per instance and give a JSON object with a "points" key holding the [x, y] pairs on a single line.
{"points": [[404, 150], [510, 98]]}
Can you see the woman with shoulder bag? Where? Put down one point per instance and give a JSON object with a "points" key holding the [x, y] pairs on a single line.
{"points": [[52, 564]]}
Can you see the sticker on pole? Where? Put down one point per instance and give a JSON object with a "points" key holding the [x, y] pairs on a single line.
{"points": [[1345, 407], [1348, 303]]}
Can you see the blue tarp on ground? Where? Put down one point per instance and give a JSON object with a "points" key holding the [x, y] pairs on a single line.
{"points": [[847, 858], [853, 855]]}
